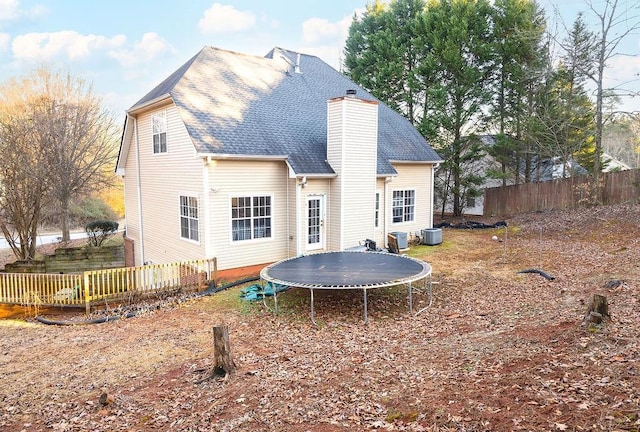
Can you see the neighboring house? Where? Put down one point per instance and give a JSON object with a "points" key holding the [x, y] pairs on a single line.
{"points": [[554, 168], [256, 159], [541, 170], [474, 205], [611, 164]]}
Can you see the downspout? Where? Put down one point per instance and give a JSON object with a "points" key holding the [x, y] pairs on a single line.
{"points": [[286, 179], [434, 167], [298, 215], [139, 187], [206, 198], [386, 209]]}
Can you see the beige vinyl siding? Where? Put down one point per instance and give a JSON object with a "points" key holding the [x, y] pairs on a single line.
{"points": [[411, 177], [228, 179], [167, 176], [352, 152]]}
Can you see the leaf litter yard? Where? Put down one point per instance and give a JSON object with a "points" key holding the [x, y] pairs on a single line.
{"points": [[497, 351]]}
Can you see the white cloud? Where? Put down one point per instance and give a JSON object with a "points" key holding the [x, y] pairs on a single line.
{"points": [[143, 51], [316, 30], [10, 10], [326, 39], [4, 41], [68, 43], [221, 18]]}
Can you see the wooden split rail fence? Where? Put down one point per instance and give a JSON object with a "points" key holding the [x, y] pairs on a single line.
{"points": [[117, 285]]}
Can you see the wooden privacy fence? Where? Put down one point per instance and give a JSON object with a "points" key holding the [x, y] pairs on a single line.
{"points": [[91, 287], [615, 188]]}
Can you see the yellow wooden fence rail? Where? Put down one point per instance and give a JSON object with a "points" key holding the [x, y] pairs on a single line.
{"points": [[119, 284]]}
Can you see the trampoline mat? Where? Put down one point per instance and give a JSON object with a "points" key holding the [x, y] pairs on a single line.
{"points": [[346, 270]]}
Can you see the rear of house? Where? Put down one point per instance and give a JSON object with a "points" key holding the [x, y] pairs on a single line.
{"points": [[256, 159]]}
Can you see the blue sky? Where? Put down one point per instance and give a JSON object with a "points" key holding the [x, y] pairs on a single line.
{"points": [[124, 48]]}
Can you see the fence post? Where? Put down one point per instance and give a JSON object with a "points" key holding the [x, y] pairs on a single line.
{"points": [[87, 299]]}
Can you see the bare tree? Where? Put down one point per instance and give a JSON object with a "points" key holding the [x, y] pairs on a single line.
{"points": [[615, 24], [71, 139], [23, 182], [80, 141]]}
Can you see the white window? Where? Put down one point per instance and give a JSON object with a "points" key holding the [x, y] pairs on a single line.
{"points": [[159, 121], [189, 218], [404, 202], [377, 211], [250, 217]]}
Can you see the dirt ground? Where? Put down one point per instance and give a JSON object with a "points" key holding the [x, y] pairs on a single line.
{"points": [[497, 351]]}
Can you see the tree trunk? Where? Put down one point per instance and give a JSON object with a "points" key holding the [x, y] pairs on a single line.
{"points": [[598, 310], [66, 236], [224, 365]]}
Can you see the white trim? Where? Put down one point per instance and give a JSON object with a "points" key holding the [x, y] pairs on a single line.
{"points": [[139, 188], [343, 149], [148, 104], [206, 210], [227, 156]]}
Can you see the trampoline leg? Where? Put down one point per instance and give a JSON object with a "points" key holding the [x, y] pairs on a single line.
{"points": [[366, 317], [430, 295], [312, 309], [275, 299], [410, 299]]}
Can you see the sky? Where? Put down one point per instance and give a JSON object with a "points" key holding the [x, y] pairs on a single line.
{"points": [[123, 48]]}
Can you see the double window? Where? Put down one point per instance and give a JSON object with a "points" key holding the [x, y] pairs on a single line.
{"points": [[404, 202], [250, 217], [189, 218], [159, 121]]}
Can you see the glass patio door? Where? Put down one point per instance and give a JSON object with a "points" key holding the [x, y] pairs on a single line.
{"points": [[315, 222]]}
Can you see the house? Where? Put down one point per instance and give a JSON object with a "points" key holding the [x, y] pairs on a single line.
{"points": [[256, 159], [611, 164]]}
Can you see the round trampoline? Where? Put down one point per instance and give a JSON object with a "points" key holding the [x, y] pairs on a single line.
{"points": [[348, 270]]}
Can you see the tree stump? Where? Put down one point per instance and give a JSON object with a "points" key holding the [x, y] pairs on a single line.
{"points": [[224, 365], [598, 310]]}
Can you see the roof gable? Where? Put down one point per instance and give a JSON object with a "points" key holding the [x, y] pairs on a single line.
{"points": [[240, 105]]}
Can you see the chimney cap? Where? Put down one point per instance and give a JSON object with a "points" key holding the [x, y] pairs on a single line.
{"points": [[351, 92]]}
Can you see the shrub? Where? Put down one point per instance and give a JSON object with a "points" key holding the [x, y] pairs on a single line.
{"points": [[98, 231], [90, 209]]}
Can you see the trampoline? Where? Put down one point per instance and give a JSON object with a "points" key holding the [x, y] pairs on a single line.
{"points": [[349, 270]]}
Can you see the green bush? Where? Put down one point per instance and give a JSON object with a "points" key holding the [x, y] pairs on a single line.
{"points": [[98, 231], [90, 209]]}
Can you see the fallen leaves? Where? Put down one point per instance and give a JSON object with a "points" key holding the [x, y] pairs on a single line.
{"points": [[497, 351]]}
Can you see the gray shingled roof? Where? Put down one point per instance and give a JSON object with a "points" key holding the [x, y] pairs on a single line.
{"points": [[237, 104]]}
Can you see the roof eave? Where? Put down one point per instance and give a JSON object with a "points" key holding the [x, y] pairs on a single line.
{"points": [[421, 162], [228, 156], [146, 105]]}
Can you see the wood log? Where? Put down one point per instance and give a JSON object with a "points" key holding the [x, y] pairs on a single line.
{"points": [[598, 310], [600, 305], [223, 362]]}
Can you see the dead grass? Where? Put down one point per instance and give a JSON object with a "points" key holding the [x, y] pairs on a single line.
{"points": [[497, 351]]}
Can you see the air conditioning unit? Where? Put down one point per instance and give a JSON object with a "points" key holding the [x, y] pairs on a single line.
{"points": [[432, 236], [403, 243]]}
